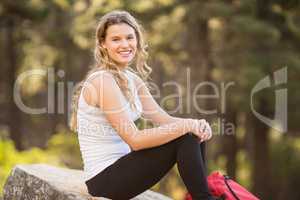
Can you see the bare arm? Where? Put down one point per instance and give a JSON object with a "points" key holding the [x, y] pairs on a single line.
{"points": [[153, 112], [110, 99]]}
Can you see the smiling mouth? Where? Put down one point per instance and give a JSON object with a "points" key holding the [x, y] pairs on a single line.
{"points": [[125, 53]]}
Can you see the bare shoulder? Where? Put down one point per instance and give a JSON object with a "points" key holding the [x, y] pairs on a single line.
{"points": [[137, 79], [101, 79], [94, 84], [99, 83]]}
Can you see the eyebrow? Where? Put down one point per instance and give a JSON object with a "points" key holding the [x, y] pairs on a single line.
{"points": [[130, 34]]}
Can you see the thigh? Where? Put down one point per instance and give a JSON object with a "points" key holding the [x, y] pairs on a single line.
{"points": [[135, 172]]}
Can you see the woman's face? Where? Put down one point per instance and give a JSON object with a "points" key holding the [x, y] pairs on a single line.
{"points": [[120, 43]]}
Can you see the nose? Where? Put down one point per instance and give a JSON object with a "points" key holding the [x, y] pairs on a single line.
{"points": [[124, 43]]}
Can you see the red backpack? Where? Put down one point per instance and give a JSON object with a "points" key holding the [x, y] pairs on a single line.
{"points": [[224, 188]]}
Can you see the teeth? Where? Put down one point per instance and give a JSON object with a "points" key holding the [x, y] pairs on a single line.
{"points": [[124, 52]]}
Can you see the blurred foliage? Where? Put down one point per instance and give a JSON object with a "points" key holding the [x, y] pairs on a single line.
{"points": [[62, 151], [286, 165]]}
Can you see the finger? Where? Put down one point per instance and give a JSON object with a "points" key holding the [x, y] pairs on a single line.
{"points": [[208, 130], [210, 135], [199, 135], [202, 125], [201, 130], [207, 127], [201, 140], [205, 137]]}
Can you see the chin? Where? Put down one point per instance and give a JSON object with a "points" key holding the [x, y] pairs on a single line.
{"points": [[124, 62]]}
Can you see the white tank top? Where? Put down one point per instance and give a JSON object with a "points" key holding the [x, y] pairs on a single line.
{"points": [[100, 144]]}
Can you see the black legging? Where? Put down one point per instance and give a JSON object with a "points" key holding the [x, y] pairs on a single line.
{"points": [[138, 171]]}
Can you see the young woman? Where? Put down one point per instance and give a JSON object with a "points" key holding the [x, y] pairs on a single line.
{"points": [[121, 161]]}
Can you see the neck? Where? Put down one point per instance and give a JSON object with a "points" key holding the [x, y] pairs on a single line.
{"points": [[122, 67]]}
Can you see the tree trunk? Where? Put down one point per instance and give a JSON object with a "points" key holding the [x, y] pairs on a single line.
{"points": [[230, 144], [14, 117], [261, 156], [201, 62]]}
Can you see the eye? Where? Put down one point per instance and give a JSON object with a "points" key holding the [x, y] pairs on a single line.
{"points": [[130, 37], [115, 39]]}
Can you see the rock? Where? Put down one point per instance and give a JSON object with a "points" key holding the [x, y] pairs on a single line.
{"points": [[44, 182]]}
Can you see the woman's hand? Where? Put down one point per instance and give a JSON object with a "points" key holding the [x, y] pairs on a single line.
{"points": [[200, 128], [205, 129]]}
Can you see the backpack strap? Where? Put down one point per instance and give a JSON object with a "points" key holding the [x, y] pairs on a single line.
{"points": [[226, 178]]}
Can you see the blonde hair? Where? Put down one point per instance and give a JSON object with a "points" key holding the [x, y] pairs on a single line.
{"points": [[103, 61]]}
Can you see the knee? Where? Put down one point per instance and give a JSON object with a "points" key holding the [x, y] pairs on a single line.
{"points": [[189, 138]]}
